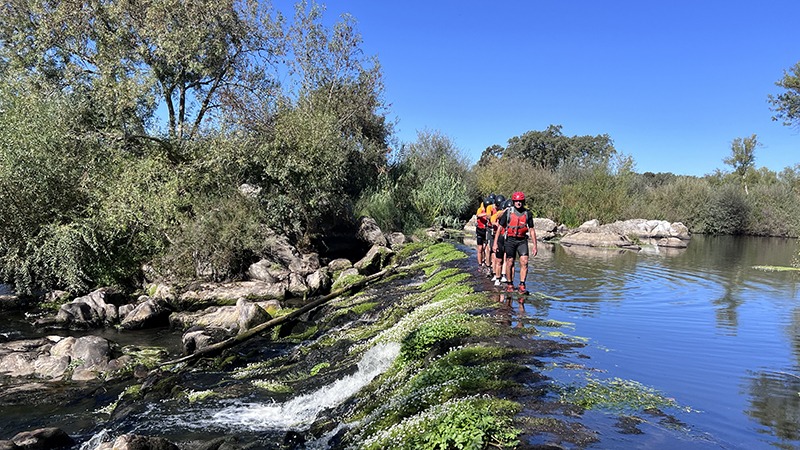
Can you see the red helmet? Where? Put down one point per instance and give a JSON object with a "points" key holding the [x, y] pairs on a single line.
{"points": [[518, 196]]}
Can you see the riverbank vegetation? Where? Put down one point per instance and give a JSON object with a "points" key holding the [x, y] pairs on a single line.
{"points": [[133, 149]]}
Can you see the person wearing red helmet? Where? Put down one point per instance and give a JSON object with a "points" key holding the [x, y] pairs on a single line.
{"points": [[515, 225]]}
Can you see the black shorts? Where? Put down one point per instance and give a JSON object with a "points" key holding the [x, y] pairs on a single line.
{"points": [[501, 246], [480, 234], [516, 246]]}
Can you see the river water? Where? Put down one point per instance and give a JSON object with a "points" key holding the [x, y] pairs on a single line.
{"points": [[700, 325]]}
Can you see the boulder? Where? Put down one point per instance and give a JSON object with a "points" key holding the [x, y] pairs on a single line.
{"points": [[43, 439], [9, 445], [138, 442], [319, 281], [339, 264], [545, 228], [262, 271], [89, 311], [375, 259], [215, 293], [598, 239], [148, 314], [370, 232], [231, 319], [396, 240], [196, 340]]}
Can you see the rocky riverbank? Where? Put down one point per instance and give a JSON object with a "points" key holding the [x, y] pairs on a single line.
{"points": [[465, 365]]}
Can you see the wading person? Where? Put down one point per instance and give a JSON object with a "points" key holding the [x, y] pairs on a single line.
{"points": [[480, 228], [488, 257], [498, 243], [516, 223]]}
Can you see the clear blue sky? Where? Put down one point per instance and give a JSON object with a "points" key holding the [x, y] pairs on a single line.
{"points": [[672, 83]]}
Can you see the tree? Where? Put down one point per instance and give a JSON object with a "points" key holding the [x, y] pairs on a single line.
{"points": [[130, 56], [742, 157], [786, 105], [550, 148]]}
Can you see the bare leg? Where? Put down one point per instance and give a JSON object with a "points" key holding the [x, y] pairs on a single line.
{"points": [[480, 255], [523, 268]]}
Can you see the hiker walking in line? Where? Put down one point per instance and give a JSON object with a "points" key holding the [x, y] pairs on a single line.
{"points": [[498, 244], [480, 228], [516, 223]]}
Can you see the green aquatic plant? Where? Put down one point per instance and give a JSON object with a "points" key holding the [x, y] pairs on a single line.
{"points": [[420, 341], [470, 423], [318, 368], [618, 395], [272, 386], [347, 280], [196, 396], [777, 268]]}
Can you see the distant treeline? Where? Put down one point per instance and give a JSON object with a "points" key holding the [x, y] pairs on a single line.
{"points": [[169, 138]]}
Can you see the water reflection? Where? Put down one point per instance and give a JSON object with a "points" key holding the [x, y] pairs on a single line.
{"points": [[775, 403], [700, 324]]}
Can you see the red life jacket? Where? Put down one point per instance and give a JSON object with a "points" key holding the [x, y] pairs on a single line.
{"points": [[482, 221], [516, 223]]}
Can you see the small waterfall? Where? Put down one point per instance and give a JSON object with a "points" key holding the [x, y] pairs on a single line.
{"points": [[301, 411]]}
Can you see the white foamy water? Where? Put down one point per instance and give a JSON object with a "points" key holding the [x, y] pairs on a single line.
{"points": [[301, 411]]}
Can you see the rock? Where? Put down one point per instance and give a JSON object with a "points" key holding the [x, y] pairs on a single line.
{"points": [[281, 249], [249, 190], [375, 259], [339, 264], [589, 225], [148, 314], [319, 281], [370, 232], [214, 293], [598, 239], [196, 340], [9, 445], [672, 242], [260, 271], [297, 285], [471, 226], [680, 231], [231, 319], [436, 233], [43, 439], [138, 442], [89, 311], [309, 263], [397, 240]]}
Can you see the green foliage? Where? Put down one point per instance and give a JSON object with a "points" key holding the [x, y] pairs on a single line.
{"points": [[417, 344], [595, 192], [319, 367], [728, 211], [550, 149], [786, 105], [507, 175], [429, 183], [743, 156], [472, 423]]}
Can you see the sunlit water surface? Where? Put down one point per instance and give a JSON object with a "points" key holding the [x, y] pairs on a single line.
{"points": [[701, 325]]}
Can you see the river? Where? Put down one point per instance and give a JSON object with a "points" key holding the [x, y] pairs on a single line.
{"points": [[701, 325]]}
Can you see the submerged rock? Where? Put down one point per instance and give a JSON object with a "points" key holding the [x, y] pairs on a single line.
{"points": [[138, 442], [43, 439]]}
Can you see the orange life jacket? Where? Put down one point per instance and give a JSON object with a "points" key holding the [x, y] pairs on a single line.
{"points": [[516, 223]]}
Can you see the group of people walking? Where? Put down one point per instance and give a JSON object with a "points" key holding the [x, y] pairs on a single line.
{"points": [[502, 230]]}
